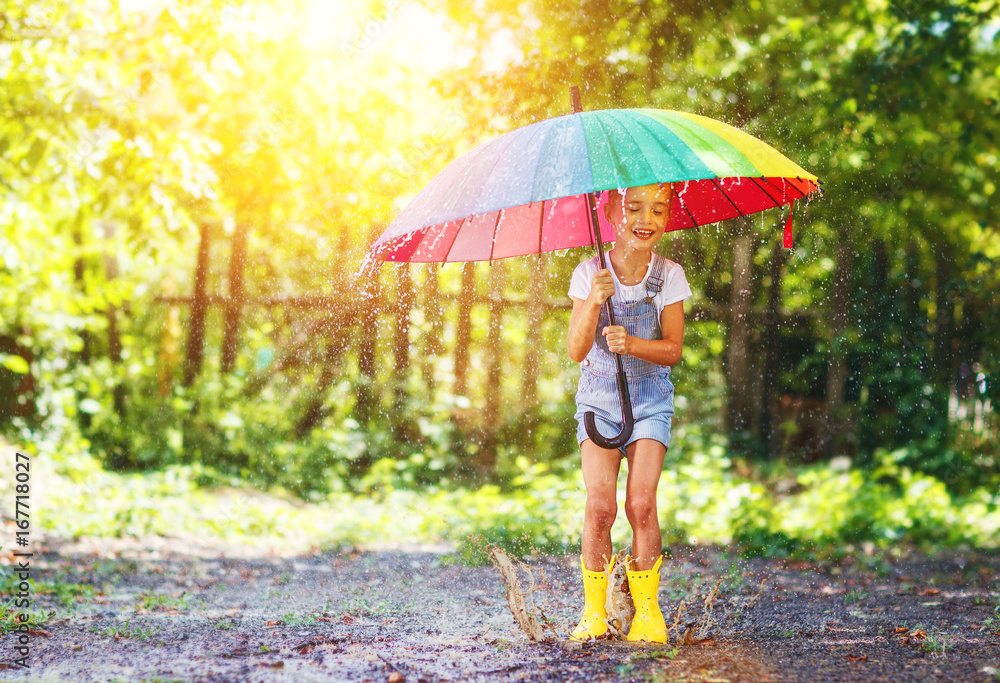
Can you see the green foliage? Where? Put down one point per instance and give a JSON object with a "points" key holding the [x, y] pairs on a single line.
{"points": [[67, 593], [705, 496], [124, 132]]}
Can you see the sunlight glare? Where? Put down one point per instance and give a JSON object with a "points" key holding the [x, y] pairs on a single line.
{"points": [[326, 24]]}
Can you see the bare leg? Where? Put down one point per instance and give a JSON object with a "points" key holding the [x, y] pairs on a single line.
{"points": [[600, 475], [645, 463]]}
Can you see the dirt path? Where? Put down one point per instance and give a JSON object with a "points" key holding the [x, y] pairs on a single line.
{"points": [[161, 614]]}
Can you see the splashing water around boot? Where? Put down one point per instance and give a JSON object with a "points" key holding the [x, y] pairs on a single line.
{"points": [[619, 600], [521, 601]]}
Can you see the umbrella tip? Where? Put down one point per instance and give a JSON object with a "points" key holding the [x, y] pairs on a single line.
{"points": [[574, 98]]}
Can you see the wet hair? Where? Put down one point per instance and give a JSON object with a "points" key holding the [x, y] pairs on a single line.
{"points": [[620, 192]]}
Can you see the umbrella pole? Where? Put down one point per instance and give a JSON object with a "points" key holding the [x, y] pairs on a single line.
{"points": [[589, 419]]}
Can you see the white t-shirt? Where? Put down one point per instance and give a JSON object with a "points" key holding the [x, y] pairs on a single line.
{"points": [[675, 284]]}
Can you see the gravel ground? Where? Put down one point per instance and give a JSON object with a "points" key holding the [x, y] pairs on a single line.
{"points": [[166, 610]]}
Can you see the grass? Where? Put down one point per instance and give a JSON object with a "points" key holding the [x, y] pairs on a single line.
{"points": [[67, 594], [292, 619], [153, 602], [857, 595], [11, 619], [992, 622], [659, 653], [126, 630], [936, 642], [500, 644], [361, 606]]}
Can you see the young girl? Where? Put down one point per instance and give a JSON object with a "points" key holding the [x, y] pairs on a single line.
{"points": [[647, 292]]}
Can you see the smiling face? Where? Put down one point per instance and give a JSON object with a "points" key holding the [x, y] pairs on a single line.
{"points": [[639, 214]]}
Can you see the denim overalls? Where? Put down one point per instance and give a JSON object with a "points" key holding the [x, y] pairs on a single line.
{"points": [[649, 385]]}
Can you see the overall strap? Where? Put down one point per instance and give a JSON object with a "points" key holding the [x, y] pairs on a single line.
{"points": [[654, 283]]}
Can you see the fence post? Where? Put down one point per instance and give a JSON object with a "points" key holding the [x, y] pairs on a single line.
{"points": [[433, 346], [401, 349], [234, 307], [486, 458], [199, 306], [371, 296], [537, 291], [464, 332]]}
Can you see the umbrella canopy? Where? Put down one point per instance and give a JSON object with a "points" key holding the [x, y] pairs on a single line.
{"points": [[525, 192]]}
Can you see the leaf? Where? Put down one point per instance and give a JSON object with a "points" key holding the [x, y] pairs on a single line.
{"points": [[15, 364], [852, 658], [89, 406], [929, 591], [38, 147]]}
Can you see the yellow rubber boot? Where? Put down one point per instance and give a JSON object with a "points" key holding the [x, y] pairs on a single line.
{"points": [[647, 625], [595, 595]]}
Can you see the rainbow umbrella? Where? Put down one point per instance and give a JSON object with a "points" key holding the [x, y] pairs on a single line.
{"points": [[526, 191], [536, 189]]}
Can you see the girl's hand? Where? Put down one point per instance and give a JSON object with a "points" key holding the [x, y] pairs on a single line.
{"points": [[617, 338], [602, 287]]}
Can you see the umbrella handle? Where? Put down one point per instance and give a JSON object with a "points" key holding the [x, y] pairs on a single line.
{"points": [[590, 422], [589, 419]]}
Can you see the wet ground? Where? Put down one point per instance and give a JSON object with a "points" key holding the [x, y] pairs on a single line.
{"points": [[159, 613]]}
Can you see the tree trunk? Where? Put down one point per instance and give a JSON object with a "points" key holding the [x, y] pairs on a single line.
{"points": [[372, 299], [199, 307], [114, 337], [768, 414], [836, 377], [401, 351], [464, 332], [738, 413], [234, 308], [433, 346], [79, 266], [944, 323]]}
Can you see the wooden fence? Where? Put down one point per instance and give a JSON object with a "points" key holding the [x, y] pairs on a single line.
{"points": [[383, 314]]}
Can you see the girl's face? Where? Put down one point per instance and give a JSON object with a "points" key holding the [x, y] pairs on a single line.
{"points": [[640, 215]]}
